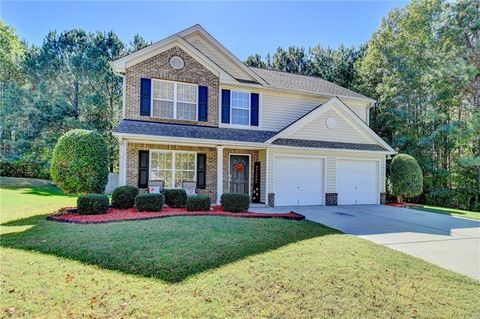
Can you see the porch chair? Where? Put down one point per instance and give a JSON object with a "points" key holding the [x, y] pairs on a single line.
{"points": [[190, 187], [156, 186]]}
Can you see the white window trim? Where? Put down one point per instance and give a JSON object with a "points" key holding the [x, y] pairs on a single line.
{"points": [[175, 101], [238, 108], [173, 164]]}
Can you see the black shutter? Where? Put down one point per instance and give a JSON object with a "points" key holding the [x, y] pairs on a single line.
{"points": [[225, 106], [254, 109], [203, 103], [143, 159], [145, 96], [201, 171]]}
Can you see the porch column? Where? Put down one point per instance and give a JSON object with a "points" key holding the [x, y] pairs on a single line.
{"points": [[219, 173], [122, 163]]}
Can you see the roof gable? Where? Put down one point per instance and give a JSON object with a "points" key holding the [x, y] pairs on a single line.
{"points": [[348, 127], [201, 46]]}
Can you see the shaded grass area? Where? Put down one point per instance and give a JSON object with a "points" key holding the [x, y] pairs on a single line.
{"points": [[449, 211], [212, 267], [171, 250]]}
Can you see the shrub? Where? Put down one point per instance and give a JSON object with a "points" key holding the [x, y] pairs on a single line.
{"points": [[235, 202], [406, 177], [92, 204], [123, 197], [80, 162], [149, 202], [198, 203], [175, 197]]}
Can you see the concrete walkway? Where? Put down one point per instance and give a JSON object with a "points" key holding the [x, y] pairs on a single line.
{"points": [[449, 242]]}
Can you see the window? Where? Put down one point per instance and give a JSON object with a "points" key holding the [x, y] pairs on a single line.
{"points": [[173, 100], [240, 106], [173, 167]]}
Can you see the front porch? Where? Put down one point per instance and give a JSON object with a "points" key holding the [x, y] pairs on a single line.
{"points": [[242, 169]]}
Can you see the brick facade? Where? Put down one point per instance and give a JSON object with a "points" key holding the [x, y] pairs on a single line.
{"points": [[331, 199], [158, 67], [211, 176], [383, 198], [226, 161]]}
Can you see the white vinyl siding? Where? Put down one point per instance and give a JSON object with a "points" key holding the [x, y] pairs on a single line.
{"points": [[330, 178], [174, 100], [280, 109], [345, 131], [331, 165]]}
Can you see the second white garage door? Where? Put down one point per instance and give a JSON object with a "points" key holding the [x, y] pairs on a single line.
{"points": [[298, 181], [357, 182]]}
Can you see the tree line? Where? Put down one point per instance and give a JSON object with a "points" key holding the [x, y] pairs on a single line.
{"points": [[422, 66]]}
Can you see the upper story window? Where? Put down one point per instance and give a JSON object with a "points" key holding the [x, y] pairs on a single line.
{"points": [[174, 100], [240, 107]]}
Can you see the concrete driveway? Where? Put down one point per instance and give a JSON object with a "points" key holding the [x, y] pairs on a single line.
{"points": [[449, 242]]}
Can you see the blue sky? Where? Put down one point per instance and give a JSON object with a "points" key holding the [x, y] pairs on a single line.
{"points": [[243, 27]]}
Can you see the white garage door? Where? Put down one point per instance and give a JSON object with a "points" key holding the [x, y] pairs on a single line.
{"points": [[357, 182], [298, 181]]}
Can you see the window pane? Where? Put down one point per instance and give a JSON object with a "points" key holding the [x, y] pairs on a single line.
{"points": [[184, 176], [166, 176], [240, 99], [186, 93], [163, 90], [186, 111], [162, 109], [240, 116], [185, 161]]}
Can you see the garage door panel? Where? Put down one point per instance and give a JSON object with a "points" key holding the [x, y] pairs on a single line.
{"points": [[298, 181], [357, 182]]}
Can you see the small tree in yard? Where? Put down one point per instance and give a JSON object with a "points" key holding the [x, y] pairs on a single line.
{"points": [[406, 177], [80, 162]]}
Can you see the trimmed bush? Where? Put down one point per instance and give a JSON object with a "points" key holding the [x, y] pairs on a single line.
{"points": [[175, 197], [80, 162], [149, 202], [235, 202], [123, 197], [198, 203], [92, 204], [406, 178]]}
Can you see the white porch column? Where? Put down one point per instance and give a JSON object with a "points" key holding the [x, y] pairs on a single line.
{"points": [[122, 162], [219, 173]]}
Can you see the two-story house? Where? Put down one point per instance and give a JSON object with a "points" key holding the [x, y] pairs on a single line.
{"points": [[192, 111]]}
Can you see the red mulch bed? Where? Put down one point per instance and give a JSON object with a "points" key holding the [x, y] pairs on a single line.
{"points": [[404, 205], [116, 215]]}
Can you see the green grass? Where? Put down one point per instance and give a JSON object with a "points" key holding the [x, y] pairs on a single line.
{"points": [[209, 267], [449, 211]]}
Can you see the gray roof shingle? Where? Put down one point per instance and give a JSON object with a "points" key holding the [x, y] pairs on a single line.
{"points": [[193, 131], [230, 134], [312, 84], [330, 145]]}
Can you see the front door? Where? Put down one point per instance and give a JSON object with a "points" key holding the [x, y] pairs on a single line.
{"points": [[239, 174]]}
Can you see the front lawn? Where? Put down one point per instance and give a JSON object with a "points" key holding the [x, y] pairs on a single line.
{"points": [[209, 267], [449, 211]]}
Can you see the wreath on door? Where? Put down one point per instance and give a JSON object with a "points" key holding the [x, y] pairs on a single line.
{"points": [[239, 167]]}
